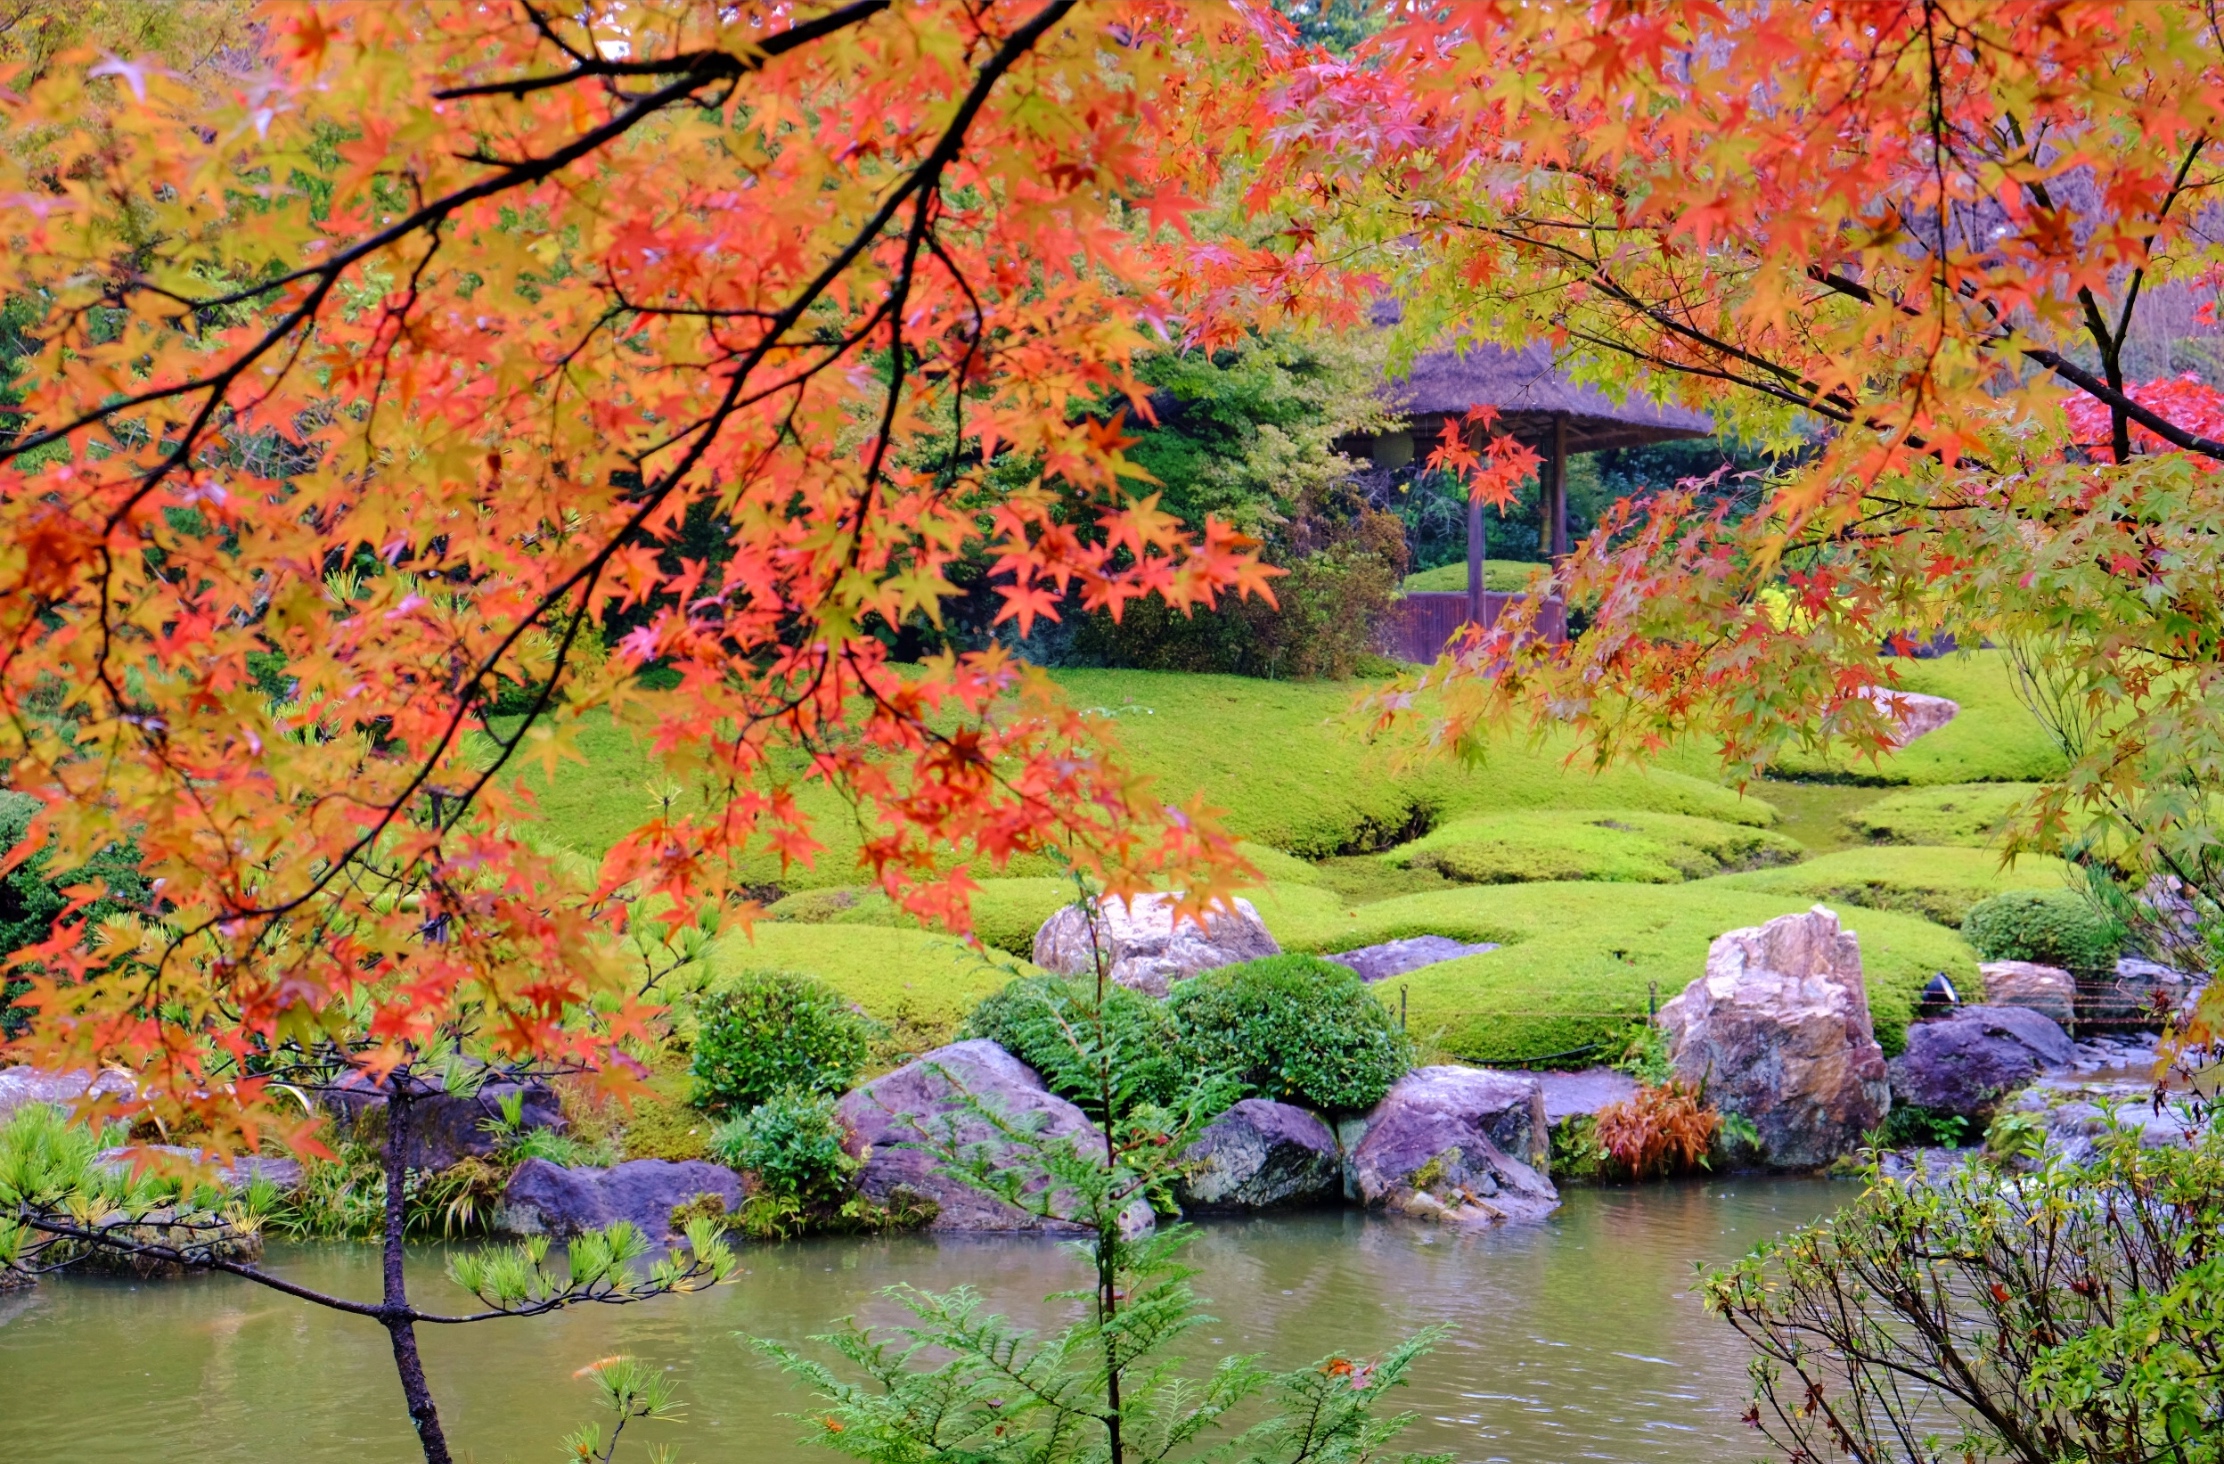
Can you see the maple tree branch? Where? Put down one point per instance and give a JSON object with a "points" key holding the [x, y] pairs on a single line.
{"points": [[2061, 366], [711, 63], [925, 175]]}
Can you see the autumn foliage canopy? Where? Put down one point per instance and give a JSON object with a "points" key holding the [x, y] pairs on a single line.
{"points": [[367, 382]]}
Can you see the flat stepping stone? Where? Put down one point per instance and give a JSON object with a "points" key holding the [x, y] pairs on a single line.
{"points": [[1397, 957]]}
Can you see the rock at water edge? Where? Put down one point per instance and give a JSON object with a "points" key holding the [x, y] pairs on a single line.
{"points": [[548, 1199], [1962, 1064], [1262, 1155], [926, 1101], [444, 1128], [22, 1085], [1145, 947], [1443, 1145], [1778, 1031], [2048, 990]]}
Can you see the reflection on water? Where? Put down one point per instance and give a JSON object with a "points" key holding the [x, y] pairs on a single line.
{"points": [[1578, 1339]]}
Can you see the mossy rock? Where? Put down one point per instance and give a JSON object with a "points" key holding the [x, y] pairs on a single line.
{"points": [[1620, 846], [1939, 884]]}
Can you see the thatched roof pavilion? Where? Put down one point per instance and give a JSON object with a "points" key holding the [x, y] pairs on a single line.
{"points": [[1533, 400], [1538, 406]]}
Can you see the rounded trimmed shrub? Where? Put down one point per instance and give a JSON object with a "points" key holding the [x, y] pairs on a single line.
{"points": [[1295, 1028], [1050, 1024], [792, 1143], [771, 1031], [2051, 927]]}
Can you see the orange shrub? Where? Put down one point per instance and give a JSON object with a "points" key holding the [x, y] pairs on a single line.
{"points": [[1658, 1131]]}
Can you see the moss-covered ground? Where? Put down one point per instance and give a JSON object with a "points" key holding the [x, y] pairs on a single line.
{"points": [[1580, 961], [1506, 576], [1619, 845], [1965, 814], [1993, 739], [1939, 884], [1601, 888]]}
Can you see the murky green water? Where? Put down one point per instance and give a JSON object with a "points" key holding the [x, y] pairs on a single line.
{"points": [[1578, 1339]]}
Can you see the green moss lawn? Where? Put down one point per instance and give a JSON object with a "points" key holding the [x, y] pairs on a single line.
{"points": [[1580, 960], [1939, 884], [1994, 738], [1620, 845], [1507, 576], [1599, 887]]}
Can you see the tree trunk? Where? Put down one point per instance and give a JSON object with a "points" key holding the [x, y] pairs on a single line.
{"points": [[399, 1329]]}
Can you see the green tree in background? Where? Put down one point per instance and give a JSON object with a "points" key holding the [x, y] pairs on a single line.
{"points": [[1249, 435]]}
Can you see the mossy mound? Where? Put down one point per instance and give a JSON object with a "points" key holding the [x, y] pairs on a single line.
{"points": [[917, 984], [1506, 576], [1939, 884], [1620, 846], [1993, 739], [1289, 766], [1967, 815], [1579, 960], [1286, 763], [1006, 912]]}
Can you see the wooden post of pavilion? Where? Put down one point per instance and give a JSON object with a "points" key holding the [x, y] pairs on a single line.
{"points": [[1475, 545], [1555, 493]]}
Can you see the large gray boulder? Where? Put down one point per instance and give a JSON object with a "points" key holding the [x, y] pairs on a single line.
{"points": [[1963, 1063], [1457, 1144], [1262, 1155], [2048, 990], [548, 1199], [444, 1128], [896, 1120], [1912, 714], [1778, 1031], [1145, 947], [22, 1085]]}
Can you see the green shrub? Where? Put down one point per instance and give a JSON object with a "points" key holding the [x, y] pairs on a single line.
{"points": [[1911, 1126], [792, 1143], [31, 896], [1050, 1024], [2051, 927], [1295, 1028], [768, 1031]]}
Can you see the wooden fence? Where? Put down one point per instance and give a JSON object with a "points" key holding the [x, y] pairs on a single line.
{"points": [[1420, 622]]}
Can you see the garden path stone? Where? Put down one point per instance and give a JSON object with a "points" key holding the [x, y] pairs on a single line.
{"points": [[548, 1199], [930, 1100], [1397, 957], [1145, 947], [1778, 1031], [1263, 1155], [1443, 1145], [1963, 1063]]}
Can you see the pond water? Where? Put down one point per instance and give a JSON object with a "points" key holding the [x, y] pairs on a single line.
{"points": [[1577, 1339]]}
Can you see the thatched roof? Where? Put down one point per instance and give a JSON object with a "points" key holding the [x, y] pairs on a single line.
{"points": [[1529, 392]]}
